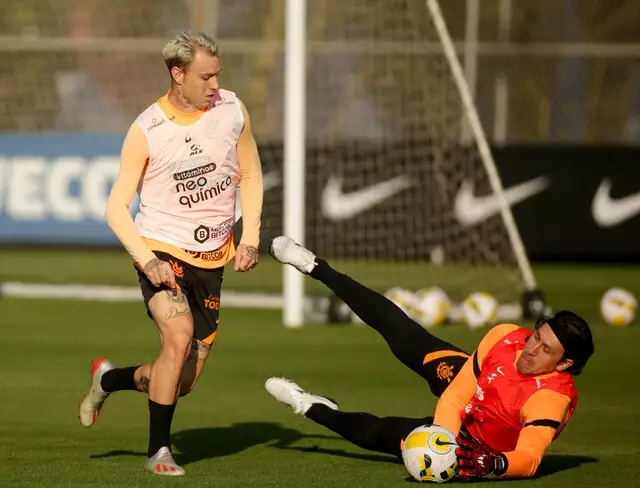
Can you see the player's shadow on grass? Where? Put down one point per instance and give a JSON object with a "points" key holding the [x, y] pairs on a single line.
{"points": [[190, 446], [379, 458], [554, 463], [212, 442], [551, 464]]}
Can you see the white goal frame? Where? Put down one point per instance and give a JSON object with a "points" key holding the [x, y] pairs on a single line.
{"points": [[295, 144]]}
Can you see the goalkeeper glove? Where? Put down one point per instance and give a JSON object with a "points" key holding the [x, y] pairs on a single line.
{"points": [[476, 459]]}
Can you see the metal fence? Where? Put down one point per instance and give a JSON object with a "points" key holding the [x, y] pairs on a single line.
{"points": [[541, 70]]}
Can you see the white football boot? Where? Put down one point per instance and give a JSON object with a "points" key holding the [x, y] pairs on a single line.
{"points": [[92, 402], [286, 391], [162, 463], [287, 251]]}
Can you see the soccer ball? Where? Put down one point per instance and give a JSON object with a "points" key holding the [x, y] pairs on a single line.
{"points": [[433, 306], [407, 300], [479, 309], [618, 307], [429, 454]]}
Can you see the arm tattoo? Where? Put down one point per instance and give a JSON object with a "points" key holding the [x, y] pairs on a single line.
{"points": [[143, 384]]}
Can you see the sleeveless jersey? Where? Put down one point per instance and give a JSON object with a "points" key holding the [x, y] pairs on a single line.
{"points": [[493, 414], [188, 190]]}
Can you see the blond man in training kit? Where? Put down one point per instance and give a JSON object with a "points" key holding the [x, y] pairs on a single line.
{"points": [[185, 155]]}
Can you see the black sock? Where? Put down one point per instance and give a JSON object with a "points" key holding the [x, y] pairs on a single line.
{"points": [[119, 379], [407, 339], [365, 430], [160, 417]]}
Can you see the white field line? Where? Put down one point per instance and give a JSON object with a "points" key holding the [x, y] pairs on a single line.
{"points": [[230, 298]]}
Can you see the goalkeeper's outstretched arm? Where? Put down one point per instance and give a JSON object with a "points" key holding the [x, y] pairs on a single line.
{"points": [[543, 414]]}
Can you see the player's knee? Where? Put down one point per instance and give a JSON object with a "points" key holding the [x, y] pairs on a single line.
{"points": [[176, 345]]}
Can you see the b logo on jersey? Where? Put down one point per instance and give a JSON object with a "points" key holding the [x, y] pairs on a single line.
{"points": [[201, 234]]}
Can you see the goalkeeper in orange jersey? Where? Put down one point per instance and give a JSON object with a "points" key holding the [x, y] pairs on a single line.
{"points": [[505, 402]]}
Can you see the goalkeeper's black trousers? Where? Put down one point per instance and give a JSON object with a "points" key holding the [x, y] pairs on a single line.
{"points": [[435, 360]]}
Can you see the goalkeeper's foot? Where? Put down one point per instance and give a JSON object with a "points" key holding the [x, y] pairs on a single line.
{"points": [[286, 391], [92, 402], [162, 463], [287, 251]]}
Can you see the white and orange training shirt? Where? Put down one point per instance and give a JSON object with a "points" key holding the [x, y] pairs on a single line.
{"points": [[188, 186]]}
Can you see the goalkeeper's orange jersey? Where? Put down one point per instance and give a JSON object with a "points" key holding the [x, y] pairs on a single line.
{"points": [[493, 415], [516, 414]]}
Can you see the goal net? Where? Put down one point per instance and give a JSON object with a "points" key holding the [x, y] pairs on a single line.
{"points": [[398, 188]]}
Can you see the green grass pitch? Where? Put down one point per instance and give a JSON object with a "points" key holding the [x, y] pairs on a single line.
{"points": [[229, 432]]}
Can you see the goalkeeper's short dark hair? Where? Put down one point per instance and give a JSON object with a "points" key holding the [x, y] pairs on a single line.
{"points": [[574, 334]]}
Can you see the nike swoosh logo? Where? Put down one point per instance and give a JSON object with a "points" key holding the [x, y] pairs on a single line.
{"points": [[609, 212], [441, 443], [338, 206], [470, 209]]}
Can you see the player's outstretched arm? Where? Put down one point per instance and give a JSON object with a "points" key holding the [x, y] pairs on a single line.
{"points": [[543, 414], [251, 190], [132, 162]]}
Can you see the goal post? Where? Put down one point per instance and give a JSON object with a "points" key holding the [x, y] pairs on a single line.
{"points": [[294, 153], [390, 128]]}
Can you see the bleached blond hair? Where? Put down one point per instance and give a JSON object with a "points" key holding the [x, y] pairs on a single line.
{"points": [[180, 51]]}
